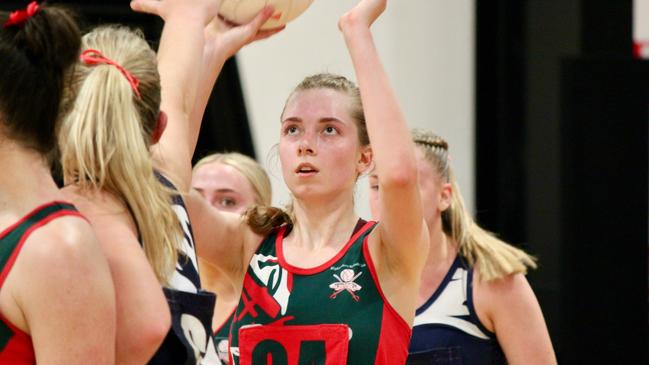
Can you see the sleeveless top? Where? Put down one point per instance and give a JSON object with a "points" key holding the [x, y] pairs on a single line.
{"points": [[447, 329], [15, 345], [189, 341], [334, 313]]}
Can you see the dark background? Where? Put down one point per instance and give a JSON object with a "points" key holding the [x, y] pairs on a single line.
{"points": [[562, 112]]}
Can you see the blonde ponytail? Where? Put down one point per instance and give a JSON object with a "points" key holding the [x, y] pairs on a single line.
{"points": [[492, 257], [104, 139]]}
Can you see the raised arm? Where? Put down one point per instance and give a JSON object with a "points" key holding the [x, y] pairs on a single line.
{"points": [[223, 239], [187, 82], [403, 241], [180, 56], [222, 41]]}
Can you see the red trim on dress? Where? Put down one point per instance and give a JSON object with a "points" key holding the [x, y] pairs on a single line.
{"points": [[19, 350], [395, 333], [29, 215], [370, 264], [214, 332], [393, 340], [279, 245], [28, 232]]}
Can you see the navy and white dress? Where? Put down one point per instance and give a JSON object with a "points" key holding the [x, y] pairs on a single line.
{"points": [[189, 341], [447, 329]]}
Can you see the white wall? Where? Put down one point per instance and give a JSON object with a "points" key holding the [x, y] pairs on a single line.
{"points": [[426, 47]]}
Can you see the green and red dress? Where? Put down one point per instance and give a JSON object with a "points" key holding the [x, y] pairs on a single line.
{"points": [[333, 314], [16, 346]]}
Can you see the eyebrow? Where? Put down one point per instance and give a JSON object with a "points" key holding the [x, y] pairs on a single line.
{"points": [[321, 120], [222, 190]]}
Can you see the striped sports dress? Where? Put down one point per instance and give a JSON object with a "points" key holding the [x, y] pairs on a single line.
{"points": [[333, 314], [447, 330], [189, 341], [15, 345]]}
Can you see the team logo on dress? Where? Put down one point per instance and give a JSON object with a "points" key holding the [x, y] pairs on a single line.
{"points": [[346, 283]]}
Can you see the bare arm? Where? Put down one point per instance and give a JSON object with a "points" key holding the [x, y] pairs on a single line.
{"points": [[143, 316], [185, 105], [180, 55], [223, 239], [403, 241], [222, 41], [66, 295], [512, 311]]}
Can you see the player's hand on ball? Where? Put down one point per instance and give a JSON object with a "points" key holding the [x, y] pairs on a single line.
{"points": [[229, 38], [165, 8]]}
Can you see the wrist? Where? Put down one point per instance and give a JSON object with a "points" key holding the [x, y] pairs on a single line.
{"points": [[189, 14], [352, 26]]}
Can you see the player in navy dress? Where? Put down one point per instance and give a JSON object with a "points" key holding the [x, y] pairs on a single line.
{"points": [[128, 177], [474, 305]]}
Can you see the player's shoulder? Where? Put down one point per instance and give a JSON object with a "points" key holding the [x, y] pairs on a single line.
{"points": [[64, 238]]}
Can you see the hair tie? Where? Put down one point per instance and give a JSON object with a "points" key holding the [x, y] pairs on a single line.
{"points": [[19, 17], [93, 57]]}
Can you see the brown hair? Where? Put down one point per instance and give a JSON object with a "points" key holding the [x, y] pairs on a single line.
{"points": [[493, 257], [35, 59], [262, 220]]}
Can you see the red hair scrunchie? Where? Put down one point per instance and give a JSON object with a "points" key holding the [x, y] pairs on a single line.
{"points": [[93, 57], [20, 17]]}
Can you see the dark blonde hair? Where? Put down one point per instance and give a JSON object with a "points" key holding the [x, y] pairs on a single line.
{"points": [[105, 138], [263, 219], [493, 257]]}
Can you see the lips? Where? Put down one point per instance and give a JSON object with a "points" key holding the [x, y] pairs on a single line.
{"points": [[306, 169]]}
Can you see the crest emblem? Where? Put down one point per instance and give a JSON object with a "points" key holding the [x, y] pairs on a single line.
{"points": [[346, 283]]}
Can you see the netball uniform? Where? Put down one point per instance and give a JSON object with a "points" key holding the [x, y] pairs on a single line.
{"points": [[447, 329], [221, 340], [333, 314], [189, 341], [15, 345]]}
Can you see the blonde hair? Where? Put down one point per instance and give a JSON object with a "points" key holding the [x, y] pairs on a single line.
{"points": [[492, 257], [249, 168], [105, 137]]}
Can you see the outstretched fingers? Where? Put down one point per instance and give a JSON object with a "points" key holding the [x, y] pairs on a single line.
{"points": [[263, 34]]}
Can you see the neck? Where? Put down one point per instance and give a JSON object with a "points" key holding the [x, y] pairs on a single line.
{"points": [[213, 280], [443, 248], [25, 180], [323, 223]]}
